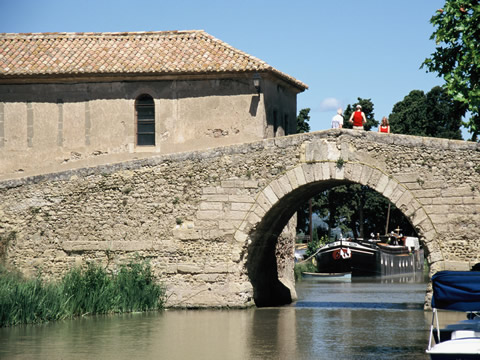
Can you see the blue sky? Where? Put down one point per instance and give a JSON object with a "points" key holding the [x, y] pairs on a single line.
{"points": [[342, 50]]}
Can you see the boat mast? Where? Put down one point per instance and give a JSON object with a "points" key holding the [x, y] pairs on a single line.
{"points": [[310, 225], [388, 219]]}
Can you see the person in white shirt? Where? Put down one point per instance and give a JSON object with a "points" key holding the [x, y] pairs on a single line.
{"points": [[337, 120]]}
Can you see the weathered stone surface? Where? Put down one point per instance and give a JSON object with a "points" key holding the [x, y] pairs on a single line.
{"points": [[198, 217]]}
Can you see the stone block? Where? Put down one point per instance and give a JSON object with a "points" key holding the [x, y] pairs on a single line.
{"points": [[235, 215], [251, 184], [241, 206], [228, 225], [218, 268], [419, 216], [405, 199], [284, 183], [210, 215], [407, 177], [317, 170], [292, 179], [308, 171], [397, 193], [316, 150], [382, 184], [240, 236], [326, 171], [429, 236], [270, 195], [253, 218], [188, 268], [457, 265], [300, 176], [241, 198], [277, 189], [390, 188], [215, 198], [356, 172], [229, 183], [184, 234], [209, 205], [209, 190], [425, 225], [338, 171]]}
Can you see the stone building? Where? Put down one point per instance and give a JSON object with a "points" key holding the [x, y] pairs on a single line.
{"points": [[71, 99]]}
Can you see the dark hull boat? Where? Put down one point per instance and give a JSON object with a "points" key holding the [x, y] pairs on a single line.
{"points": [[371, 257], [347, 256]]}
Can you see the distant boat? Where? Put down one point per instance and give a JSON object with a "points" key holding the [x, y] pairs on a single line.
{"points": [[346, 276], [391, 255], [458, 291]]}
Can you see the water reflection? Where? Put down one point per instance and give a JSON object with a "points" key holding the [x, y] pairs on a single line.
{"points": [[364, 319]]}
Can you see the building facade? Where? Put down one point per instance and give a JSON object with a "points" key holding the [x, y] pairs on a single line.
{"points": [[89, 98]]}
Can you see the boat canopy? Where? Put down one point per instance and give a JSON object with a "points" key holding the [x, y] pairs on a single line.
{"points": [[456, 290]]}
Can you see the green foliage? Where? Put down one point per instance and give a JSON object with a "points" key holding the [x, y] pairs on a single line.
{"points": [[302, 121], [89, 291], [434, 114], [358, 209], [367, 108], [315, 244], [340, 163], [457, 55], [303, 267]]}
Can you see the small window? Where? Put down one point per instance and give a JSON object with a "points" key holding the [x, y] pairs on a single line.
{"points": [[145, 109]]}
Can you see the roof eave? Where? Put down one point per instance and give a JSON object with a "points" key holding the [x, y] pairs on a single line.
{"points": [[150, 76]]}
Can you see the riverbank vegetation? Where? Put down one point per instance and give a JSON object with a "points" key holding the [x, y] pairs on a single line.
{"points": [[303, 267], [80, 292]]}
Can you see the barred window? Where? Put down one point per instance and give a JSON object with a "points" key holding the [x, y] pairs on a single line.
{"points": [[145, 111]]}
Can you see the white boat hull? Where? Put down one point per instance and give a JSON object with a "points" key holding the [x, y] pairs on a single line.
{"points": [[457, 349]]}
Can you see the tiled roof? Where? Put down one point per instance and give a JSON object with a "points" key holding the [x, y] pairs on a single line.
{"points": [[131, 53]]}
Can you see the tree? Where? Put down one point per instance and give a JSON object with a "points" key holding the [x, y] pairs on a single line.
{"points": [[434, 114], [367, 108], [457, 56], [360, 210], [302, 121], [409, 115]]}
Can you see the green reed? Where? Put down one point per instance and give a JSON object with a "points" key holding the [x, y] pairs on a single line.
{"points": [[80, 292], [303, 267]]}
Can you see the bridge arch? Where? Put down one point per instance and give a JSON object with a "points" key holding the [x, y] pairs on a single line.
{"points": [[211, 221], [278, 201]]}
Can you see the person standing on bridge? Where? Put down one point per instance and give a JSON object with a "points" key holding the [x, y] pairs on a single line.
{"points": [[337, 120], [358, 118], [384, 126]]}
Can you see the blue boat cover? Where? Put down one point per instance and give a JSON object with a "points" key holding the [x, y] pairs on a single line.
{"points": [[456, 290]]}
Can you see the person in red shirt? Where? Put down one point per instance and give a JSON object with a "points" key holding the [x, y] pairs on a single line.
{"points": [[384, 126], [358, 118]]}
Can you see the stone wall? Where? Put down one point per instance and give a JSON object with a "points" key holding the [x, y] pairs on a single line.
{"points": [[210, 221], [53, 127]]}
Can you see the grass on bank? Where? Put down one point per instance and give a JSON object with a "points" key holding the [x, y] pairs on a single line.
{"points": [[303, 267], [80, 292]]}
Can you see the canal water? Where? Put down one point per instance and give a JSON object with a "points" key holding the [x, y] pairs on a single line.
{"points": [[367, 318]]}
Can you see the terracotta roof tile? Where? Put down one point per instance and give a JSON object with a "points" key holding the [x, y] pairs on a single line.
{"points": [[187, 52]]}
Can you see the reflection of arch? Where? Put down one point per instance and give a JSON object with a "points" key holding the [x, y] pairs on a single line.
{"points": [[277, 203], [145, 120]]}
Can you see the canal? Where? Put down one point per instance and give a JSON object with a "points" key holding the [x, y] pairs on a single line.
{"points": [[367, 318]]}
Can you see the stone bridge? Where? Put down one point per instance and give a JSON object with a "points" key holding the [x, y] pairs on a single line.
{"points": [[212, 223]]}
